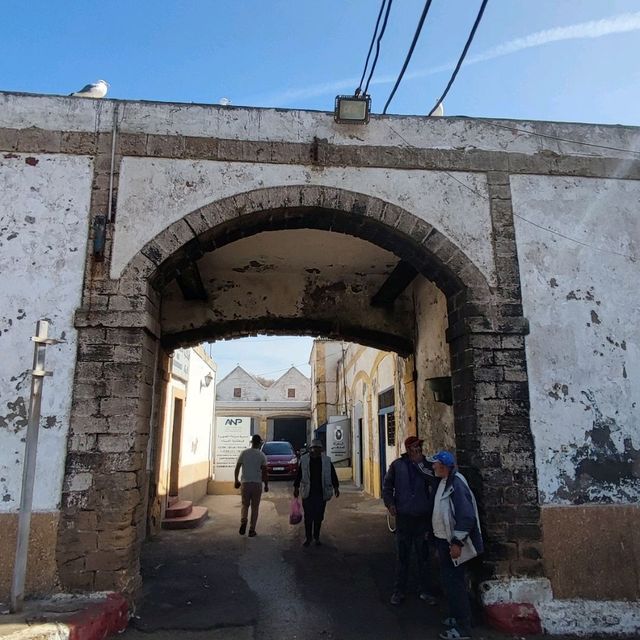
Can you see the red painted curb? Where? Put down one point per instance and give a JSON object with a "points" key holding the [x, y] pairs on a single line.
{"points": [[100, 619], [513, 617]]}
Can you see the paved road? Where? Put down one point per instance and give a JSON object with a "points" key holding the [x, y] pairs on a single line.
{"points": [[211, 583]]}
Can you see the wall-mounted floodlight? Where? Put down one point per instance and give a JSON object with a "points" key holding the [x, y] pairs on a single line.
{"points": [[352, 109]]}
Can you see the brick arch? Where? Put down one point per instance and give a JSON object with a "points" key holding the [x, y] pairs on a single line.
{"points": [[327, 208], [116, 366]]}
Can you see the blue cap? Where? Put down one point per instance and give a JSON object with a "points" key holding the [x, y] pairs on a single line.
{"points": [[444, 457]]}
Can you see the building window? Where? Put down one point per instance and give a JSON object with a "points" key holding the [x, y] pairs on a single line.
{"points": [[237, 392], [291, 393]]}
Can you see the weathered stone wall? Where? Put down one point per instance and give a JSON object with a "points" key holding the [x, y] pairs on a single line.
{"points": [[580, 294], [448, 203], [44, 207]]}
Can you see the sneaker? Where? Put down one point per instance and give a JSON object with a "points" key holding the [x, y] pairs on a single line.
{"points": [[449, 622], [306, 543], [425, 596], [454, 634], [397, 597], [243, 528], [252, 533]]}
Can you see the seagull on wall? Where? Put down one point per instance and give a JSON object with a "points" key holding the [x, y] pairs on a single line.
{"points": [[94, 90]]}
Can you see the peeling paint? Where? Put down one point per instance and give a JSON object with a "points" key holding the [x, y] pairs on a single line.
{"points": [[16, 419], [254, 267], [602, 471]]}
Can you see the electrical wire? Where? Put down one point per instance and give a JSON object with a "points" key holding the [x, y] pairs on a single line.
{"points": [[462, 56], [373, 39], [381, 34], [425, 11], [580, 142], [628, 256]]}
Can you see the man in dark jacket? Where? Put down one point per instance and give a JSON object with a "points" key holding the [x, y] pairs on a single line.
{"points": [[406, 494]]}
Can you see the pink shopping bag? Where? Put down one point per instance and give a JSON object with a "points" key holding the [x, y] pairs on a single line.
{"points": [[295, 513]]}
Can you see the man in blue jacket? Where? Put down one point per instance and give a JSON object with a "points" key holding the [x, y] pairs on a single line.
{"points": [[406, 494], [456, 529]]}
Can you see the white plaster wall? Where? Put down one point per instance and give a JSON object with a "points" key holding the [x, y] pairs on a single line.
{"points": [[246, 123], [154, 193], [252, 390], [582, 301], [292, 379], [432, 360], [44, 206], [199, 412]]}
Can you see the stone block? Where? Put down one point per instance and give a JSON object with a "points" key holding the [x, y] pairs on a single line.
{"points": [[166, 146], [88, 425], [124, 581], [74, 580], [34, 140], [8, 139], [83, 442], [107, 560], [200, 148], [489, 374], [129, 461], [94, 352], [115, 444], [117, 538], [131, 144]]}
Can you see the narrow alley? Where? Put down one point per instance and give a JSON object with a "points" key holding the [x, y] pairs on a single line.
{"points": [[212, 583]]}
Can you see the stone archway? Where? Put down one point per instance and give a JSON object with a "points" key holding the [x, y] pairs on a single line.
{"points": [[120, 333]]}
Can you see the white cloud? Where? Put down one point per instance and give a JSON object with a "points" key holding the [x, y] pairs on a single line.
{"points": [[622, 23]]}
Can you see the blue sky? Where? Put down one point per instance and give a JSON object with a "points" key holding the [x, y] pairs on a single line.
{"points": [[567, 60]]}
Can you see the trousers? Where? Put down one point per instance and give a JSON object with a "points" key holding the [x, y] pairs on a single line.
{"points": [[314, 507], [454, 582], [250, 492]]}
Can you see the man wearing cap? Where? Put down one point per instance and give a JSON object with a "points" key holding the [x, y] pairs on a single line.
{"points": [[406, 493], [456, 528], [319, 481], [254, 472]]}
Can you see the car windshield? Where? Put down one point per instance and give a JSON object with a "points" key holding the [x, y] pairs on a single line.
{"points": [[277, 449]]}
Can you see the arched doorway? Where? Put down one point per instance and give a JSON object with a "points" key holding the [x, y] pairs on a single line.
{"points": [[169, 295]]}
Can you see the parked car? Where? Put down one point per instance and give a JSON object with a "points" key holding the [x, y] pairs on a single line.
{"points": [[282, 460]]}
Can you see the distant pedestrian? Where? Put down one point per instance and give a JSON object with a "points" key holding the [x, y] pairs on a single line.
{"points": [[456, 528], [406, 492], [319, 481], [254, 473]]}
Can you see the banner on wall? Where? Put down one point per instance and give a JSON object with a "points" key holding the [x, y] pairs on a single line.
{"points": [[233, 435], [338, 440]]}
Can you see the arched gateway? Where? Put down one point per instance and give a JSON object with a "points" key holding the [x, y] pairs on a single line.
{"points": [[142, 317], [508, 249]]}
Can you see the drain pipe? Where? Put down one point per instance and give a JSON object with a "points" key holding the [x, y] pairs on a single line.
{"points": [[114, 136]]}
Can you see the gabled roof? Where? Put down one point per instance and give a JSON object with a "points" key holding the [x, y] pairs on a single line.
{"points": [[291, 371], [239, 369]]}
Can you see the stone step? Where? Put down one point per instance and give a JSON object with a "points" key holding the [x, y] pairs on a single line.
{"points": [[178, 509], [194, 519]]}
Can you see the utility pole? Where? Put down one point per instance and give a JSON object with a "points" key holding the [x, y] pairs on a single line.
{"points": [[38, 373]]}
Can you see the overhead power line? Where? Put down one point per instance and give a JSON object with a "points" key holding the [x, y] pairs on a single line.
{"points": [[381, 34], [373, 39], [427, 5], [462, 56]]}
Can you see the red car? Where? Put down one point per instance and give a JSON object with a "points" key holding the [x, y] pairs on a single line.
{"points": [[282, 461]]}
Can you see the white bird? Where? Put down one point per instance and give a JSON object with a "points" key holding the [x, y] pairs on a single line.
{"points": [[94, 90]]}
